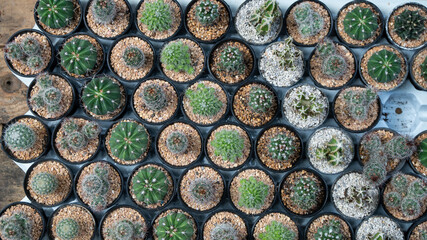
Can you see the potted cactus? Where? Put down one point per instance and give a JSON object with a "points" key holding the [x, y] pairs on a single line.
{"points": [[252, 191], [72, 221], [158, 20], [201, 188], [77, 140], [225, 225], [179, 144], [28, 52], [231, 61], [305, 107], [282, 63], [123, 222], [131, 58], [418, 159], [330, 150], [328, 226], [383, 67], [308, 22], [379, 227], [159, 190], [275, 225], [228, 146], [365, 13], [259, 21], [418, 69], [174, 224], [255, 104], [418, 231], [108, 18], [357, 108]]}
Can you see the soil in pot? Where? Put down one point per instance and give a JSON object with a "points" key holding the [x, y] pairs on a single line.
{"points": [[132, 58], [108, 18], [381, 57], [25, 218], [159, 190], [266, 226], [282, 63], [124, 222], [255, 104], [159, 19], [379, 226], [279, 148], [179, 144], [231, 62], [72, 221], [419, 232], [328, 226], [201, 188], [419, 157], [252, 191], [225, 225], [228, 146], [182, 224], [419, 68], [205, 102], [77, 139], [68, 19]]}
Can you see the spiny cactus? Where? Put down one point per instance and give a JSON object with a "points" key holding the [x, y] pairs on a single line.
{"points": [[67, 229], [154, 97], [378, 236], [309, 21], [288, 55], [150, 185], [126, 230], [410, 207], [418, 189], [177, 142], [307, 104], [252, 193], [175, 226], [422, 152], [400, 183], [27, 52], [19, 137], [157, 16], [423, 235], [305, 193], [281, 147], [409, 25], [359, 101], [176, 57], [360, 196], [423, 67], [231, 60], [202, 190], [35, 62], [96, 185], [129, 141], [15, 227], [48, 97], [325, 48], [360, 23], [104, 11], [14, 51], [260, 99], [334, 66], [44, 183], [276, 230], [55, 13], [398, 148], [75, 137], [393, 199], [207, 12], [224, 231], [375, 172], [30, 46], [265, 16], [384, 66], [78, 56], [204, 100], [133, 57], [332, 151], [228, 144], [332, 230], [101, 96]]}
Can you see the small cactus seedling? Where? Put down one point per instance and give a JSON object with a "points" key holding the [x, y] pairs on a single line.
{"points": [[288, 55], [228, 144], [30, 46], [224, 231], [418, 189], [276, 230], [358, 102], [15, 227], [334, 66], [75, 137], [400, 183], [19, 137], [360, 23], [202, 191], [410, 207], [154, 97], [422, 152], [307, 104], [27, 52], [330, 231], [204, 100], [305, 193], [14, 51], [101, 96], [75, 141], [150, 185], [231, 60], [133, 57], [325, 48], [129, 141], [157, 16], [207, 12], [176, 57], [252, 193], [44, 183], [104, 11], [282, 147], [78, 56], [375, 172], [393, 199], [265, 16], [126, 230], [423, 67], [174, 226], [260, 99], [91, 130], [384, 66], [309, 21], [177, 142], [67, 229], [96, 185], [55, 13], [398, 148], [332, 152], [360, 196], [35, 62], [409, 25]]}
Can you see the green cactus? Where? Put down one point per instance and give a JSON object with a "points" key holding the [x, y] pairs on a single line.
{"points": [[101, 96], [150, 185], [305, 193], [16, 227], [78, 56], [91, 130], [129, 141], [265, 16], [176, 57], [332, 152], [55, 13], [207, 12], [378, 236], [44, 183], [30, 46], [400, 183], [360, 23], [154, 97], [288, 55], [281, 147], [276, 230], [232, 60], [35, 62], [409, 25], [398, 148], [307, 104], [359, 101], [95, 186], [252, 193], [371, 143], [224, 231], [422, 152], [69, 126], [392, 199], [418, 189], [175, 226], [202, 190], [19, 137], [204, 100], [423, 235], [329, 231], [177, 142], [423, 67], [126, 230], [76, 141], [76, 138], [133, 57], [228, 144], [14, 51], [157, 16], [375, 172], [260, 99], [410, 207], [67, 229], [384, 66], [309, 21], [325, 48], [334, 66], [104, 11], [360, 196]]}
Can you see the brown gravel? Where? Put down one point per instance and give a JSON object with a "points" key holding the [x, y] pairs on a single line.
{"points": [[275, 216], [194, 148], [418, 230], [416, 68], [292, 26], [67, 29], [120, 214], [45, 53], [128, 73], [259, 175], [64, 182], [176, 21], [197, 61], [325, 220], [225, 217], [346, 38], [119, 24], [205, 120], [174, 210], [156, 116], [343, 116], [263, 145], [217, 160], [80, 214], [32, 214], [414, 158]]}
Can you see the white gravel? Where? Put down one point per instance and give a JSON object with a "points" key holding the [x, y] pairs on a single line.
{"points": [[379, 224]]}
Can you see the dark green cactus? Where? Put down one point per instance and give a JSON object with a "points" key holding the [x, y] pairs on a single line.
{"points": [[16, 227], [133, 57], [305, 193], [375, 172], [55, 13], [202, 190], [157, 16], [309, 21], [14, 51], [332, 152], [67, 229], [207, 12], [398, 148], [19, 137], [265, 16], [35, 62], [384, 66], [360, 196], [30, 46], [104, 11], [252, 193], [150, 185], [260, 99], [307, 104], [228, 144], [154, 97], [204, 100], [409, 25], [231, 60], [281, 147], [422, 152], [175, 226], [177, 142], [410, 207], [224, 231], [75, 137], [176, 57], [276, 230], [126, 230], [95, 186], [334, 66], [392, 199], [78, 56], [359, 101], [360, 23], [44, 183], [329, 231], [101, 96], [288, 55]]}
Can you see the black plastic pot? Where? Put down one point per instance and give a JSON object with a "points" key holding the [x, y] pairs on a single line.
{"points": [[410, 162], [411, 73], [412, 228], [52, 54], [298, 226], [9, 152], [202, 228], [352, 236], [196, 226]]}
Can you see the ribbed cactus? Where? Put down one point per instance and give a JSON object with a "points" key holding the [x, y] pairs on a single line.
{"points": [[360, 196], [260, 99], [418, 189], [409, 25], [228, 144], [307, 104], [252, 193], [14, 51], [67, 229], [360, 23], [207, 12], [175, 226], [16, 227], [129, 141], [288, 55], [55, 13], [309, 21], [154, 97], [392, 199], [305, 193], [410, 207], [95, 186], [276, 230], [176, 57], [104, 11], [384, 66], [126, 230], [329, 231], [78, 56], [224, 231], [19, 137], [157, 16], [30, 46], [265, 16], [101, 96], [177, 142], [358, 102], [44, 183], [48, 96], [375, 172], [204, 100], [231, 60], [76, 137], [201, 190], [332, 151], [281, 147], [35, 62], [133, 57], [422, 152], [150, 185]]}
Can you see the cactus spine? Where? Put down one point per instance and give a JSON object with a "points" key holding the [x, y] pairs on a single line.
{"points": [[15, 227], [281, 147], [175, 226], [228, 144], [231, 60], [276, 230], [78, 56], [154, 97], [104, 11], [308, 20], [44, 183], [252, 193], [332, 152], [358, 102], [19, 137], [260, 99], [150, 185], [202, 190], [289, 54], [305, 193], [333, 64], [307, 104], [177, 142], [224, 231], [359, 196], [384, 66], [101, 96], [126, 230], [207, 12], [204, 100], [48, 96], [96, 185], [360, 23], [67, 228], [76, 137], [27, 52], [330, 231], [409, 25], [157, 16], [55, 13], [133, 57], [176, 57]]}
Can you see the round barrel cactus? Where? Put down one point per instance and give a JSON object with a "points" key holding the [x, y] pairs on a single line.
{"points": [[129, 141], [175, 226], [360, 23], [207, 12], [55, 13], [384, 66], [150, 185], [102, 96], [133, 57], [78, 56], [19, 137], [104, 11], [44, 183], [67, 228]]}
